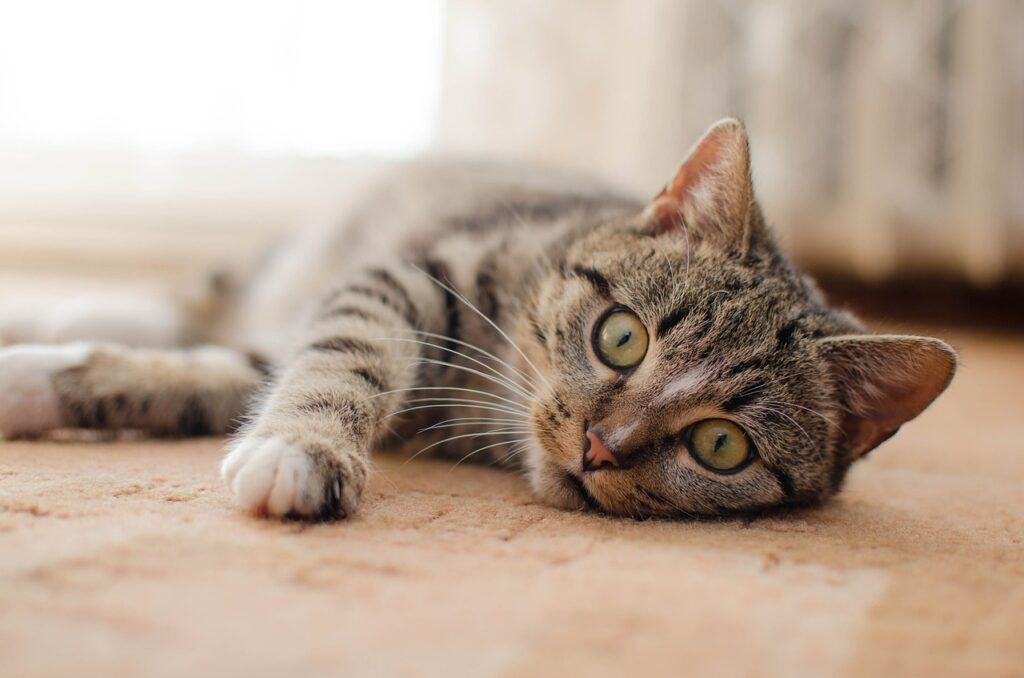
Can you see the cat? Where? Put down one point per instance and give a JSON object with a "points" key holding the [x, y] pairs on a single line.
{"points": [[640, 359]]}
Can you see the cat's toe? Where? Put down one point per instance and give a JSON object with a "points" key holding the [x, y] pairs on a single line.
{"points": [[29, 402], [276, 477]]}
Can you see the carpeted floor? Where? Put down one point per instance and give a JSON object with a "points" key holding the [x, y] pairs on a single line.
{"points": [[121, 559]]}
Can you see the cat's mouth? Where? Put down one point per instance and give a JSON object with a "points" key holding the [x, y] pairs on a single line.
{"points": [[577, 485]]}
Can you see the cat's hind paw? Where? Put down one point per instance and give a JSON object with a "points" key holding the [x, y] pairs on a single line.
{"points": [[275, 477], [29, 402]]}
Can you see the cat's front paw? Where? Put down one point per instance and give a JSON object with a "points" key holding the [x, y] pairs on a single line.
{"points": [[278, 477]]}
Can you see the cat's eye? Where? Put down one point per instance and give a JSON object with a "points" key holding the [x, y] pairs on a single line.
{"points": [[620, 339], [719, 445]]}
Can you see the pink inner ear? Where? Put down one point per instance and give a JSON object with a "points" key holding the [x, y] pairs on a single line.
{"points": [[667, 206], [690, 172], [900, 395], [888, 380]]}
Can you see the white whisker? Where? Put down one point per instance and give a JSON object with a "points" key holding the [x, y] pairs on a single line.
{"points": [[459, 437], [515, 451], [501, 382], [446, 405], [500, 331], [800, 407], [463, 424], [460, 401], [499, 374], [525, 377], [472, 420], [661, 499], [783, 414], [451, 388], [486, 447]]}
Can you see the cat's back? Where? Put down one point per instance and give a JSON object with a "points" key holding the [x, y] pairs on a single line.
{"points": [[404, 210], [419, 201]]}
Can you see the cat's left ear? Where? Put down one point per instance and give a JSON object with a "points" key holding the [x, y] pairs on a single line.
{"points": [[711, 195], [884, 381]]}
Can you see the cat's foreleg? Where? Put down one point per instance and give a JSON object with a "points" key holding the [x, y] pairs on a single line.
{"points": [[183, 392], [306, 453]]}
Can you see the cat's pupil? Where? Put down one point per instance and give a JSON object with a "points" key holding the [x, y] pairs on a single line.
{"points": [[624, 339], [720, 441]]}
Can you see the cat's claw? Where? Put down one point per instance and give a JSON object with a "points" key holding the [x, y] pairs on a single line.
{"points": [[275, 477]]}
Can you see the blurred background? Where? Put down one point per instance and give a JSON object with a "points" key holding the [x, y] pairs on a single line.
{"points": [[143, 142], [149, 140]]}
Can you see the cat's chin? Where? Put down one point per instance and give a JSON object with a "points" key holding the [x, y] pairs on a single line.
{"points": [[558, 488]]}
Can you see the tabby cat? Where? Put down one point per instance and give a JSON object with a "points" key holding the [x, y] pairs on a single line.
{"points": [[643, 360]]}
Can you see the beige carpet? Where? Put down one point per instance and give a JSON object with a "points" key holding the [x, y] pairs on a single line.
{"points": [[126, 559]]}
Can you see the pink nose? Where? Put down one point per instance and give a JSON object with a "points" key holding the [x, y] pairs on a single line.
{"points": [[596, 454]]}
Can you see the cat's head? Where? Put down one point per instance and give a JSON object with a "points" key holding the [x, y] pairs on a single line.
{"points": [[690, 369]]}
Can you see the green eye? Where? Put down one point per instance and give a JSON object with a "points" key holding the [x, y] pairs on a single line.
{"points": [[719, 444], [620, 339]]}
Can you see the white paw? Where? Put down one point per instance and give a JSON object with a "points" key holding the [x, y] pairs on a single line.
{"points": [[279, 478], [29, 403]]}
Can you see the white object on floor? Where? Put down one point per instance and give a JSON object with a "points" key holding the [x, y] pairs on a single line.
{"points": [[28, 399], [128, 319]]}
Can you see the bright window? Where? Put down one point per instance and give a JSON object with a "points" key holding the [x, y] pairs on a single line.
{"points": [[322, 77]]}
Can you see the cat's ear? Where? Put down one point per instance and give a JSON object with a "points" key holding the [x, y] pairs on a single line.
{"points": [[884, 381], [711, 195]]}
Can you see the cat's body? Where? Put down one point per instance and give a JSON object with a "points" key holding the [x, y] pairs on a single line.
{"points": [[486, 223], [618, 353]]}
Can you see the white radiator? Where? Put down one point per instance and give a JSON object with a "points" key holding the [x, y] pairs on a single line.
{"points": [[888, 135]]}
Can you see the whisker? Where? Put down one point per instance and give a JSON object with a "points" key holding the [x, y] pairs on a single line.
{"points": [[757, 388], [488, 354], [490, 322], [662, 500], [458, 437], [516, 450], [711, 295], [463, 424], [783, 414], [444, 405], [460, 401], [481, 449], [472, 420], [501, 382], [499, 374], [451, 388], [801, 407]]}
